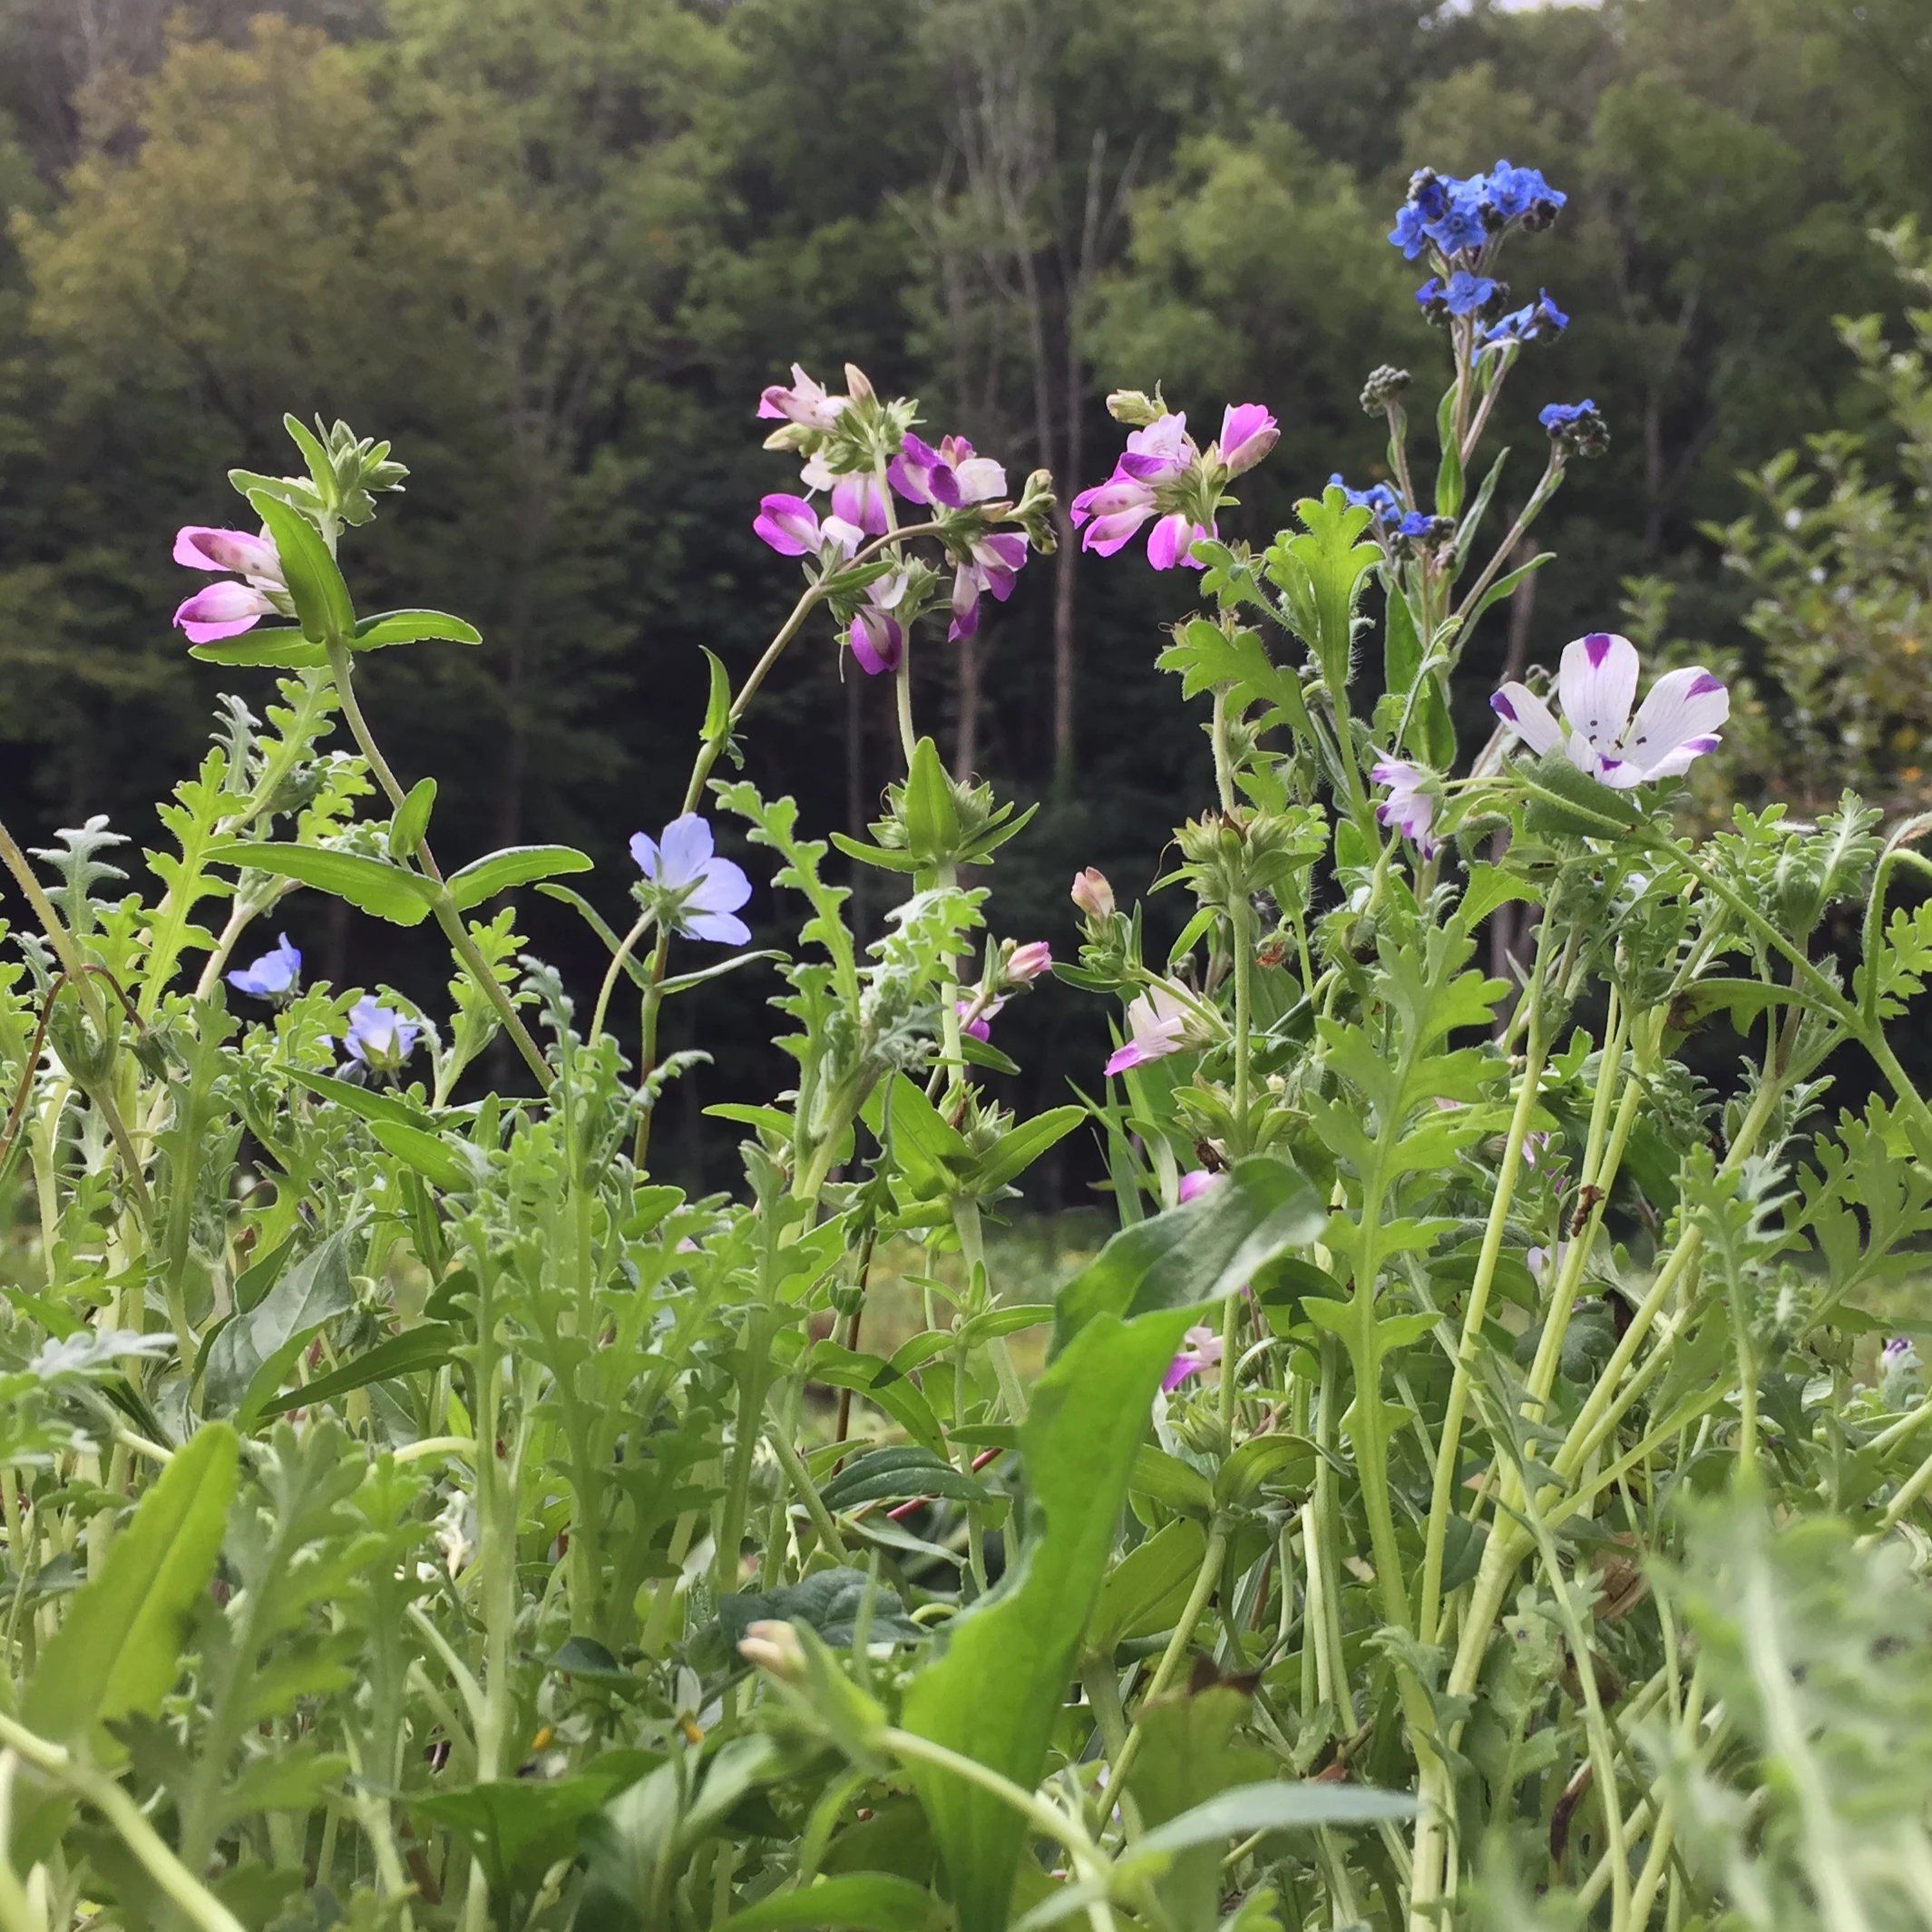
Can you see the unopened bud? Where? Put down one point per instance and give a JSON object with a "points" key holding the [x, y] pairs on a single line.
{"points": [[1092, 894], [1133, 407], [1025, 963], [1384, 388], [774, 1646], [858, 386]]}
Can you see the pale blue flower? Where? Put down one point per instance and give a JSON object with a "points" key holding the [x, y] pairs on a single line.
{"points": [[273, 975], [698, 894]]}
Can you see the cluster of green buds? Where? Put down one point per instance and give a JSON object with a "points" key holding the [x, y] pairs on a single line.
{"points": [[346, 473], [1235, 855], [934, 822]]}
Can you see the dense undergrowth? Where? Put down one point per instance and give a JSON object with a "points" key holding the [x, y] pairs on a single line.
{"points": [[1464, 1492]]}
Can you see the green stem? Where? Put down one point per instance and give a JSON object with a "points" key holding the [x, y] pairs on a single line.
{"points": [[1170, 1663], [448, 914], [800, 1479]]}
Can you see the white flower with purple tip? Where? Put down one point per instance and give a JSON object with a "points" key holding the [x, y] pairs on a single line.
{"points": [[1596, 685], [379, 1037], [876, 636], [1410, 806], [227, 609], [698, 894], [273, 975]]}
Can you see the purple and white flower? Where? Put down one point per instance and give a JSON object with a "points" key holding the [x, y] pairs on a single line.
{"points": [[225, 610], [1162, 473], [1025, 963], [379, 1037], [794, 529], [805, 402], [273, 975], [876, 636], [858, 498], [698, 895], [977, 1016], [993, 564], [1596, 685], [947, 478], [1411, 805], [1161, 1021], [1092, 893], [1201, 1350]]}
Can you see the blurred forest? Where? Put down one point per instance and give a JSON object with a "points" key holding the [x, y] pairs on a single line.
{"points": [[553, 250]]}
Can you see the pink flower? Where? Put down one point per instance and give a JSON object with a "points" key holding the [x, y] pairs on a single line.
{"points": [[804, 403], [1201, 1350], [877, 638], [226, 610], [1172, 540], [949, 477], [1162, 450], [1025, 963], [1159, 1022], [1597, 683], [792, 527], [1248, 433], [1197, 1181], [977, 1016], [1092, 894]]}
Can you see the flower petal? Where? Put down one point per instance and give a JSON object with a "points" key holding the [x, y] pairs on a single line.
{"points": [[1527, 716], [685, 846], [722, 929], [644, 849], [1683, 705], [222, 610], [1598, 684], [722, 887]]}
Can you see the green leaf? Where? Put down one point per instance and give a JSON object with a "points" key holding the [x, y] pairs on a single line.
{"points": [[1019, 1148], [372, 885], [427, 1347], [118, 1651], [1172, 1483], [313, 454], [412, 626], [1147, 1589], [997, 1691], [1565, 801], [1198, 1252], [514, 866], [1322, 574], [1504, 585], [412, 819], [253, 1351], [893, 1475], [431, 1156], [1273, 1463], [931, 814], [365, 1101], [1449, 473], [869, 1901], [1250, 1808], [281, 647], [321, 599], [828, 1601], [717, 700]]}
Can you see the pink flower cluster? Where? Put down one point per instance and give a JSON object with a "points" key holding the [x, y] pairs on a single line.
{"points": [[1163, 470]]}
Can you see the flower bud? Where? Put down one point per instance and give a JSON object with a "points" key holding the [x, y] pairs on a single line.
{"points": [[1025, 963], [1384, 388], [858, 386], [773, 1647], [1131, 407], [1092, 894]]}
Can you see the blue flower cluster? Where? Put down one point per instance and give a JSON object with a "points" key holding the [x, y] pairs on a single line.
{"points": [[1462, 295], [1537, 321], [1561, 417], [1577, 429], [1386, 507], [1458, 217]]}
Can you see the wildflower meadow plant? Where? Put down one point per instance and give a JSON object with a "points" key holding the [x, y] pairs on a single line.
{"points": [[1482, 1483]]}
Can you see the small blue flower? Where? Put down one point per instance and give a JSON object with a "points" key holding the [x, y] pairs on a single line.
{"points": [[1410, 232], [1416, 524], [380, 1038], [1461, 227], [273, 975], [1561, 416], [697, 895], [1377, 497], [1521, 194], [1468, 295], [1538, 321]]}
